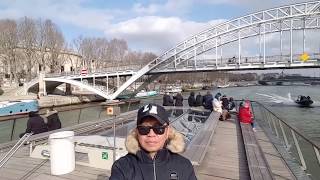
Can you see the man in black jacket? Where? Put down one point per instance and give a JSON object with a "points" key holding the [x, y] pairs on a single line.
{"points": [[153, 148], [178, 102], [35, 124], [53, 119]]}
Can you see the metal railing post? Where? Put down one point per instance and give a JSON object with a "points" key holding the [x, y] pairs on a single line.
{"points": [[79, 116], [284, 135], [317, 154], [114, 139], [303, 163], [268, 119], [275, 127], [12, 130]]}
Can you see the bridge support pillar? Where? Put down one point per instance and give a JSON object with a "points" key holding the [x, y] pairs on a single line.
{"points": [[68, 89], [42, 85]]}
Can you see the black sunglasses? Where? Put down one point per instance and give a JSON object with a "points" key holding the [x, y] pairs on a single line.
{"points": [[144, 130]]}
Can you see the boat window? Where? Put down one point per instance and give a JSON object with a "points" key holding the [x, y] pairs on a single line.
{"points": [[26, 109], [10, 112], [20, 110]]}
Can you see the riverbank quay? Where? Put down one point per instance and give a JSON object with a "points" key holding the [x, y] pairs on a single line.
{"points": [[217, 152], [61, 100]]}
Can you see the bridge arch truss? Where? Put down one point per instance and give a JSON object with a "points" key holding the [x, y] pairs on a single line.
{"points": [[300, 16]]}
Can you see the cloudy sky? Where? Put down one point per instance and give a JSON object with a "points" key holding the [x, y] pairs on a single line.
{"points": [[154, 25]]}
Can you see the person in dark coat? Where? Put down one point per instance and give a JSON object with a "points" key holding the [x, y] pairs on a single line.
{"points": [[199, 100], [192, 103], [53, 120], [225, 108], [191, 100], [160, 159], [232, 105], [178, 102], [167, 100], [207, 101], [35, 124]]}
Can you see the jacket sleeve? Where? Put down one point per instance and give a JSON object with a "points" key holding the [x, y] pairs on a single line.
{"points": [[191, 175], [116, 172], [28, 130]]}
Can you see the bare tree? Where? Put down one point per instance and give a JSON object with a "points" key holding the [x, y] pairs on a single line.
{"points": [[87, 52], [27, 32], [77, 46], [50, 42], [41, 44], [9, 43], [117, 50], [54, 44], [101, 46]]}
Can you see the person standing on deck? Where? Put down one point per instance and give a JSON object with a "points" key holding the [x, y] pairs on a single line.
{"points": [[153, 148]]}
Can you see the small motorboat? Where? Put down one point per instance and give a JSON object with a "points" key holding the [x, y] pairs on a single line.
{"points": [[144, 93], [304, 101]]}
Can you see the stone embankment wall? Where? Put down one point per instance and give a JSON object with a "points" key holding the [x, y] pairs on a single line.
{"points": [[53, 100]]}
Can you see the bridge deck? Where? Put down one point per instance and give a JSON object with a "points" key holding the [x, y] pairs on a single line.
{"points": [[225, 159]]}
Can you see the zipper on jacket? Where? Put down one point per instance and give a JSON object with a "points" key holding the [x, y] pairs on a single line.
{"points": [[154, 167]]}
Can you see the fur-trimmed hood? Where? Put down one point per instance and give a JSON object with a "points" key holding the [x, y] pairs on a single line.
{"points": [[175, 143]]}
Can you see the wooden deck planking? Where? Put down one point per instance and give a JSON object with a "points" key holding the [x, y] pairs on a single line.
{"points": [[225, 158], [21, 166]]}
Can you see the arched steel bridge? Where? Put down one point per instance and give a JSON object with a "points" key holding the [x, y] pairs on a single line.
{"points": [[188, 55]]}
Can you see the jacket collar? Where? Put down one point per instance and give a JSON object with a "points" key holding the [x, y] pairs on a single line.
{"points": [[175, 143], [161, 156]]}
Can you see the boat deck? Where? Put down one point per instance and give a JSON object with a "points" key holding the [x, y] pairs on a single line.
{"points": [[225, 159]]}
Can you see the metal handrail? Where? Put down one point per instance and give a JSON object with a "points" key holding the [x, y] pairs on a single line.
{"points": [[294, 129], [307, 162], [14, 149]]}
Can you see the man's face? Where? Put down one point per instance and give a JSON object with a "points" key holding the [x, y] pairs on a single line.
{"points": [[152, 142]]}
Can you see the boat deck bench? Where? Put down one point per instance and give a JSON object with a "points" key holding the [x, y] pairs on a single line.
{"points": [[257, 163]]}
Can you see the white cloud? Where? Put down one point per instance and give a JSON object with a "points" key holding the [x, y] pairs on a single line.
{"points": [[155, 34], [68, 11]]}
